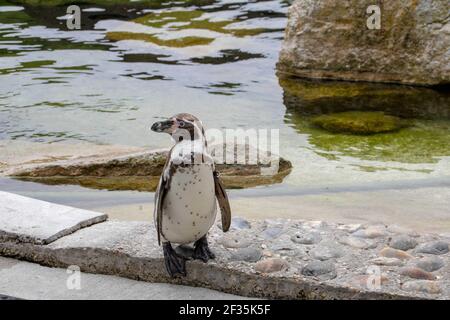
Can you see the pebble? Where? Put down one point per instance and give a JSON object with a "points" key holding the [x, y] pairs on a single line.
{"points": [[371, 232], [416, 273], [272, 233], [403, 242], [429, 264], [357, 242], [296, 253], [308, 238], [434, 247], [425, 286], [267, 253], [270, 265], [327, 251], [325, 270], [383, 261], [281, 247], [402, 230], [315, 224], [247, 254], [239, 223], [350, 227], [229, 241], [283, 243], [394, 253]]}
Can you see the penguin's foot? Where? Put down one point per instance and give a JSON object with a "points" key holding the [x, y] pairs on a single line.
{"points": [[202, 251], [174, 262]]}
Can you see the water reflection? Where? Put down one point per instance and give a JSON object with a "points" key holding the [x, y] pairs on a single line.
{"points": [[423, 116], [226, 56], [139, 61], [319, 97], [148, 58], [135, 61]]}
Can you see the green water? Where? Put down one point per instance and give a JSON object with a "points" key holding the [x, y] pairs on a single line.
{"points": [[133, 63]]}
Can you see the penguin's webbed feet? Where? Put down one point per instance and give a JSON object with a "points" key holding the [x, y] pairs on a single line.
{"points": [[174, 262], [202, 251]]}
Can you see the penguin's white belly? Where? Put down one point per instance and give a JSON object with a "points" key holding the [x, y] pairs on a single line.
{"points": [[189, 208]]}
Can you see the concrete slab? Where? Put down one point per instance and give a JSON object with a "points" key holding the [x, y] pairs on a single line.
{"points": [[29, 220], [280, 259], [26, 280]]}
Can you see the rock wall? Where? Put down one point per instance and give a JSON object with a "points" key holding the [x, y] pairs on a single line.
{"points": [[327, 39]]}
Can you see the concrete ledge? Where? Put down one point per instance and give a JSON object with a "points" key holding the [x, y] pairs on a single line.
{"points": [[279, 259], [25, 280], [24, 219]]}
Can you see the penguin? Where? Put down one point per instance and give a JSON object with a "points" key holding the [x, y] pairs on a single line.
{"points": [[187, 194]]}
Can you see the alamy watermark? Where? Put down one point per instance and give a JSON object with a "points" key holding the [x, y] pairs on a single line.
{"points": [[373, 22], [259, 147], [73, 17], [247, 147], [73, 281], [374, 278]]}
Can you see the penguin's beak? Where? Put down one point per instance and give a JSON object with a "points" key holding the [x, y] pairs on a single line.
{"points": [[162, 126]]}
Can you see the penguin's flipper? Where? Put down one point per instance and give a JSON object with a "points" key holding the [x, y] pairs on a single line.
{"points": [[224, 204], [161, 191], [159, 199]]}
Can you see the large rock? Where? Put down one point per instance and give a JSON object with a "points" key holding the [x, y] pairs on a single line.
{"points": [[329, 39], [141, 170]]}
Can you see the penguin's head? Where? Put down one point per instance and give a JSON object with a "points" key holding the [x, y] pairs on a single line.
{"points": [[182, 126]]}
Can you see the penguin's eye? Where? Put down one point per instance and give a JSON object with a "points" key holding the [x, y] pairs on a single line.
{"points": [[181, 124]]}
